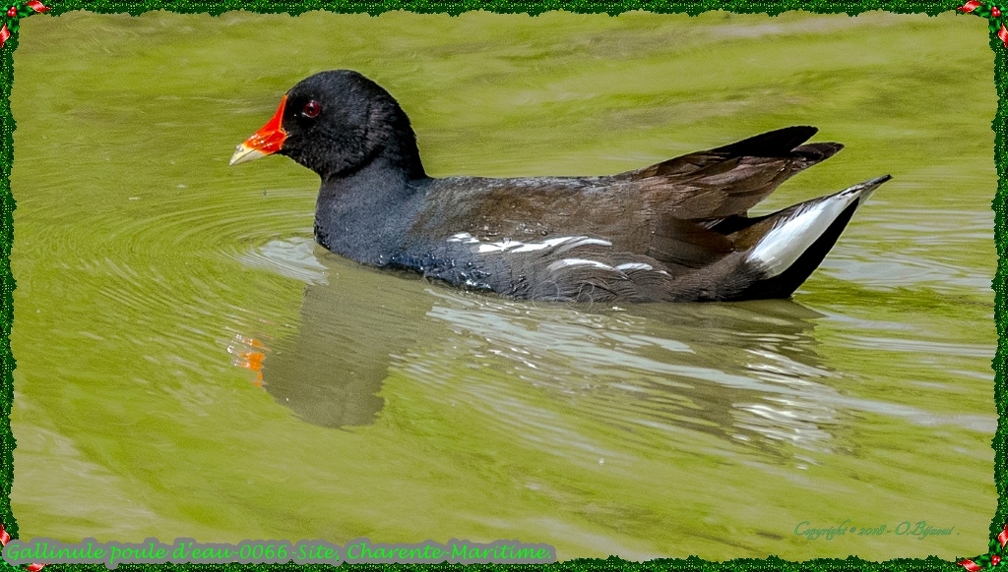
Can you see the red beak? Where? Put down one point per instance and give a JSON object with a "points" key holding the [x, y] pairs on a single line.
{"points": [[266, 141]]}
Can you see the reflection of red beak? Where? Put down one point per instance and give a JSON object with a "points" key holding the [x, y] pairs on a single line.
{"points": [[264, 142]]}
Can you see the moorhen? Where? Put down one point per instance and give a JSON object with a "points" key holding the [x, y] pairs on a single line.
{"points": [[675, 231]]}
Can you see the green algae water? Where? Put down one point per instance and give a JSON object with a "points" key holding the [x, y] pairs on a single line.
{"points": [[190, 364]]}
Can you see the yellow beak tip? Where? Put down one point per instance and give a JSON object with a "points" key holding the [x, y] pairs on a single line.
{"points": [[244, 154]]}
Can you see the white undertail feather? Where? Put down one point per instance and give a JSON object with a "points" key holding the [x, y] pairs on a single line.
{"points": [[792, 236]]}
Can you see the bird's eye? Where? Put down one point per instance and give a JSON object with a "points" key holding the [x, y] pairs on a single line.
{"points": [[311, 109]]}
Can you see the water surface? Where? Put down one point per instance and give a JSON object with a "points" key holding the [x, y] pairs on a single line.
{"points": [[149, 272]]}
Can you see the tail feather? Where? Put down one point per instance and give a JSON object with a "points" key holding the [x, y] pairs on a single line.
{"points": [[776, 143], [817, 152], [793, 242]]}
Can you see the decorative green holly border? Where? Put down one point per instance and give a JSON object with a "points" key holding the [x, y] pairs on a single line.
{"points": [[999, 45]]}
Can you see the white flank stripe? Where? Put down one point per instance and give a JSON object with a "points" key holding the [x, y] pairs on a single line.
{"points": [[576, 262], [463, 237], [635, 266], [501, 246], [584, 241], [534, 246], [517, 247]]}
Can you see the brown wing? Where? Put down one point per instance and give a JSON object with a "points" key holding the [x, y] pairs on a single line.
{"points": [[676, 212], [696, 200], [729, 180], [535, 209]]}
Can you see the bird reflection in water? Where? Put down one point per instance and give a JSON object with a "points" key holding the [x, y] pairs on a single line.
{"points": [[330, 372], [748, 372]]}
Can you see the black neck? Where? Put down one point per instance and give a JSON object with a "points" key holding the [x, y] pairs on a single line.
{"points": [[364, 215], [404, 153]]}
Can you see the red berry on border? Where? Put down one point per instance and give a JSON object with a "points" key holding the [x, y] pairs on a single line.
{"points": [[11, 12], [995, 11], [995, 559]]}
